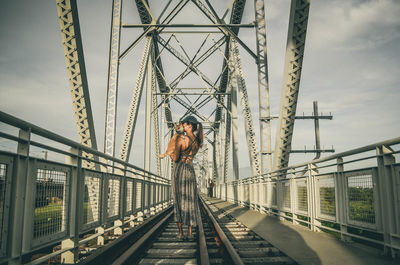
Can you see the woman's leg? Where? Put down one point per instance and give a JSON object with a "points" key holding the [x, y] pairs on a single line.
{"points": [[189, 232], [180, 231]]}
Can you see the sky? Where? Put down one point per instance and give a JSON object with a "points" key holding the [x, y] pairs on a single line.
{"points": [[351, 67]]}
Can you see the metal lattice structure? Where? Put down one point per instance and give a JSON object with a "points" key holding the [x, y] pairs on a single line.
{"points": [[44, 202], [134, 105], [244, 99], [112, 85], [160, 43], [293, 65], [263, 87], [73, 51]]}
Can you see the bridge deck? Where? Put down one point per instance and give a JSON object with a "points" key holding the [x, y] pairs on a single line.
{"points": [[301, 244]]}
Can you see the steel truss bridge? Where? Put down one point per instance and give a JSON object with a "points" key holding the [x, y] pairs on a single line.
{"points": [[79, 194]]}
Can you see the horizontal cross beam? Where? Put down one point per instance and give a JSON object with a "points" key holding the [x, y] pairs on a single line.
{"points": [[187, 25], [304, 117]]}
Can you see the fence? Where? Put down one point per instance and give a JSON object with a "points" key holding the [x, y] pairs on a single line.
{"points": [[354, 194], [44, 203]]}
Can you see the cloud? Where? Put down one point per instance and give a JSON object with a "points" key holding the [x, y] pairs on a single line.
{"points": [[354, 25], [351, 66]]}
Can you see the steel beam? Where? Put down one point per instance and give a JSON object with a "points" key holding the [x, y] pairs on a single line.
{"points": [[126, 143], [112, 84], [187, 25], [235, 66], [236, 18], [155, 120], [74, 58], [234, 117], [146, 18], [228, 128], [147, 121], [293, 64], [263, 85]]}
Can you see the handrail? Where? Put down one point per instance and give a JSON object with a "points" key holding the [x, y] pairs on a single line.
{"points": [[362, 149], [16, 122]]}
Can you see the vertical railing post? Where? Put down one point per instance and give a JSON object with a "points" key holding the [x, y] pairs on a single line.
{"points": [[279, 198], [311, 198], [260, 192], [388, 196], [75, 207], [268, 196], [103, 212], [293, 197], [121, 173], [340, 195], [17, 205], [134, 194], [139, 214]]}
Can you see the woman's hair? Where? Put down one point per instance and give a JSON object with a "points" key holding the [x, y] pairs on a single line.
{"points": [[199, 135]]}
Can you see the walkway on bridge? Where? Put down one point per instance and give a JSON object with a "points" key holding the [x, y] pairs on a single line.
{"points": [[301, 244]]}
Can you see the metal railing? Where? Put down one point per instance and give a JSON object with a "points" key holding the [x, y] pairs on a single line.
{"points": [[354, 194], [48, 203]]}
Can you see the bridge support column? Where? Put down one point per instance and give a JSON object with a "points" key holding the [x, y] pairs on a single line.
{"points": [[389, 201]]}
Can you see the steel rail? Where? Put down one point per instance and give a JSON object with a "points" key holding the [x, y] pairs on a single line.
{"points": [[112, 252], [204, 258], [224, 239], [85, 240], [137, 249], [138, 246]]}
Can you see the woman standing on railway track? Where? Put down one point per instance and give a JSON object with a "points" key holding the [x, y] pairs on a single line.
{"points": [[183, 180]]}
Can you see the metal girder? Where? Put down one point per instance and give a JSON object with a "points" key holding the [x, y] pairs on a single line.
{"points": [[235, 66], [73, 51], [215, 157], [146, 18], [263, 86], [112, 85], [198, 61], [127, 137], [155, 120], [236, 18], [227, 139], [185, 61], [293, 64], [234, 119], [148, 114], [190, 65]]}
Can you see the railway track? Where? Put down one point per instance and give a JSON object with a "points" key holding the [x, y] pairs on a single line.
{"points": [[218, 239]]}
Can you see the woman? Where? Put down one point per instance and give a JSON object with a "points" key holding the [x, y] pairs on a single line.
{"points": [[184, 187]]}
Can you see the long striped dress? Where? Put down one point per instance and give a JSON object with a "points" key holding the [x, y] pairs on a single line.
{"points": [[184, 192]]}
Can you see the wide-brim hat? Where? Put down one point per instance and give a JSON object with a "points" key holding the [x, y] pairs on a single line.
{"points": [[190, 119]]}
